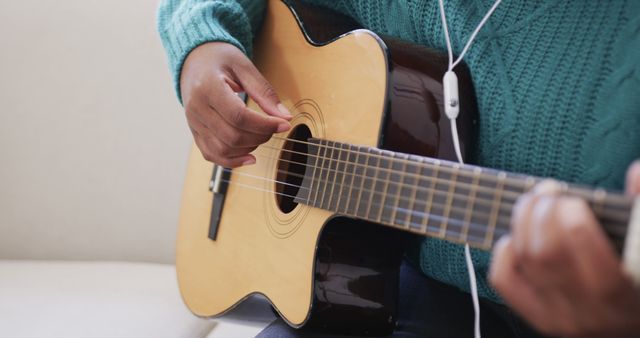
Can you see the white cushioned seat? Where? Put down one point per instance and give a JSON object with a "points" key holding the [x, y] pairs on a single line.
{"points": [[93, 299]]}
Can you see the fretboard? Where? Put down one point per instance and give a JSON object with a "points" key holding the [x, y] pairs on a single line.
{"points": [[442, 199]]}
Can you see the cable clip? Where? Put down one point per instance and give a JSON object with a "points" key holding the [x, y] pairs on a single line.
{"points": [[451, 97]]}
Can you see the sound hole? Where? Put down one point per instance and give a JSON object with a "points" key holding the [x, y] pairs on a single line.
{"points": [[291, 167]]}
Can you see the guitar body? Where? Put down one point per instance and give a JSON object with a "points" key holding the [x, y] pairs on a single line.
{"points": [[309, 262]]}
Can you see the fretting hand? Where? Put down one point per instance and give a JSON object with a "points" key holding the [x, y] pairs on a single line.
{"points": [[558, 270], [224, 129]]}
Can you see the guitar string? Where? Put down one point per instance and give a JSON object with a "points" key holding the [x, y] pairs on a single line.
{"points": [[487, 215], [390, 170], [417, 227], [437, 162], [501, 221], [611, 202], [370, 191], [500, 229], [455, 169], [486, 201]]}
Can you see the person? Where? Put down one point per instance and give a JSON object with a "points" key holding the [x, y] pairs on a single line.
{"points": [[557, 87]]}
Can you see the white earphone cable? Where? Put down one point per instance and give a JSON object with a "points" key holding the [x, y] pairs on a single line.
{"points": [[452, 107]]}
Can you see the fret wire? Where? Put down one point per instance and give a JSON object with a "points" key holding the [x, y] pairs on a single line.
{"points": [[605, 214], [384, 194], [327, 168], [450, 233], [433, 231], [353, 174], [375, 175], [324, 150], [435, 160], [573, 191], [495, 208], [439, 206], [313, 177], [613, 215], [291, 196], [467, 219], [515, 182], [617, 238], [412, 201], [335, 178], [432, 190], [525, 184], [346, 170], [447, 210], [326, 179], [344, 189], [362, 179], [399, 191], [333, 166], [501, 228]]}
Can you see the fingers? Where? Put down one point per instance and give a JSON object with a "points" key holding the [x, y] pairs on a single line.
{"points": [[559, 236], [538, 250], [539, 243], [227, 131], [233, 110], [556, 264], [228, 147], [224, 129], [590, 248], [259, 89], [209, 152], [632, 187], [505, 276]]}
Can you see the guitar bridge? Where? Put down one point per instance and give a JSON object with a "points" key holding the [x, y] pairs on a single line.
{"points": [[218, 186]]}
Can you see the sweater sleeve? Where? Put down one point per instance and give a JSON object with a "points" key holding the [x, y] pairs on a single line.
{"points": [[184, 25]]}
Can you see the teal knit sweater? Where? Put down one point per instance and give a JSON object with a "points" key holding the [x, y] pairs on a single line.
{"points": [[557, 82]]}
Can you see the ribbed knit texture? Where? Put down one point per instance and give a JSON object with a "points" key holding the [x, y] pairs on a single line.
{"points": [[557, 83], [186, 24]]}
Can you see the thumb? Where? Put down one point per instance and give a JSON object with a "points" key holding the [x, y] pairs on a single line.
{"points": [[633, 179], [261, 91]]}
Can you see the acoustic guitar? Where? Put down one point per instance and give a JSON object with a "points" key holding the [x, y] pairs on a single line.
{"points": [[318, 224]]}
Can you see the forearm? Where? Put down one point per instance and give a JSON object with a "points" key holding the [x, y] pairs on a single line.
{"points": [[186, 24]]}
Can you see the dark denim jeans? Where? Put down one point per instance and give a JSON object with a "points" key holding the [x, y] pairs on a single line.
{"points": [[431, 309]]}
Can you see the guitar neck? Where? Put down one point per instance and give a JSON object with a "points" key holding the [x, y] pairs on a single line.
{"points": [[436, 198]]}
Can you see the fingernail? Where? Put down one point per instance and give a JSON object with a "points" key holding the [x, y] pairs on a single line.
{"points": [[283, 127], [547, 187], [249, 161], [284, 111], [573, 211], [633, 179]]}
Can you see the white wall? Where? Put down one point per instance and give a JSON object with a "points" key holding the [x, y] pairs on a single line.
{"points": [[92, 141]]}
